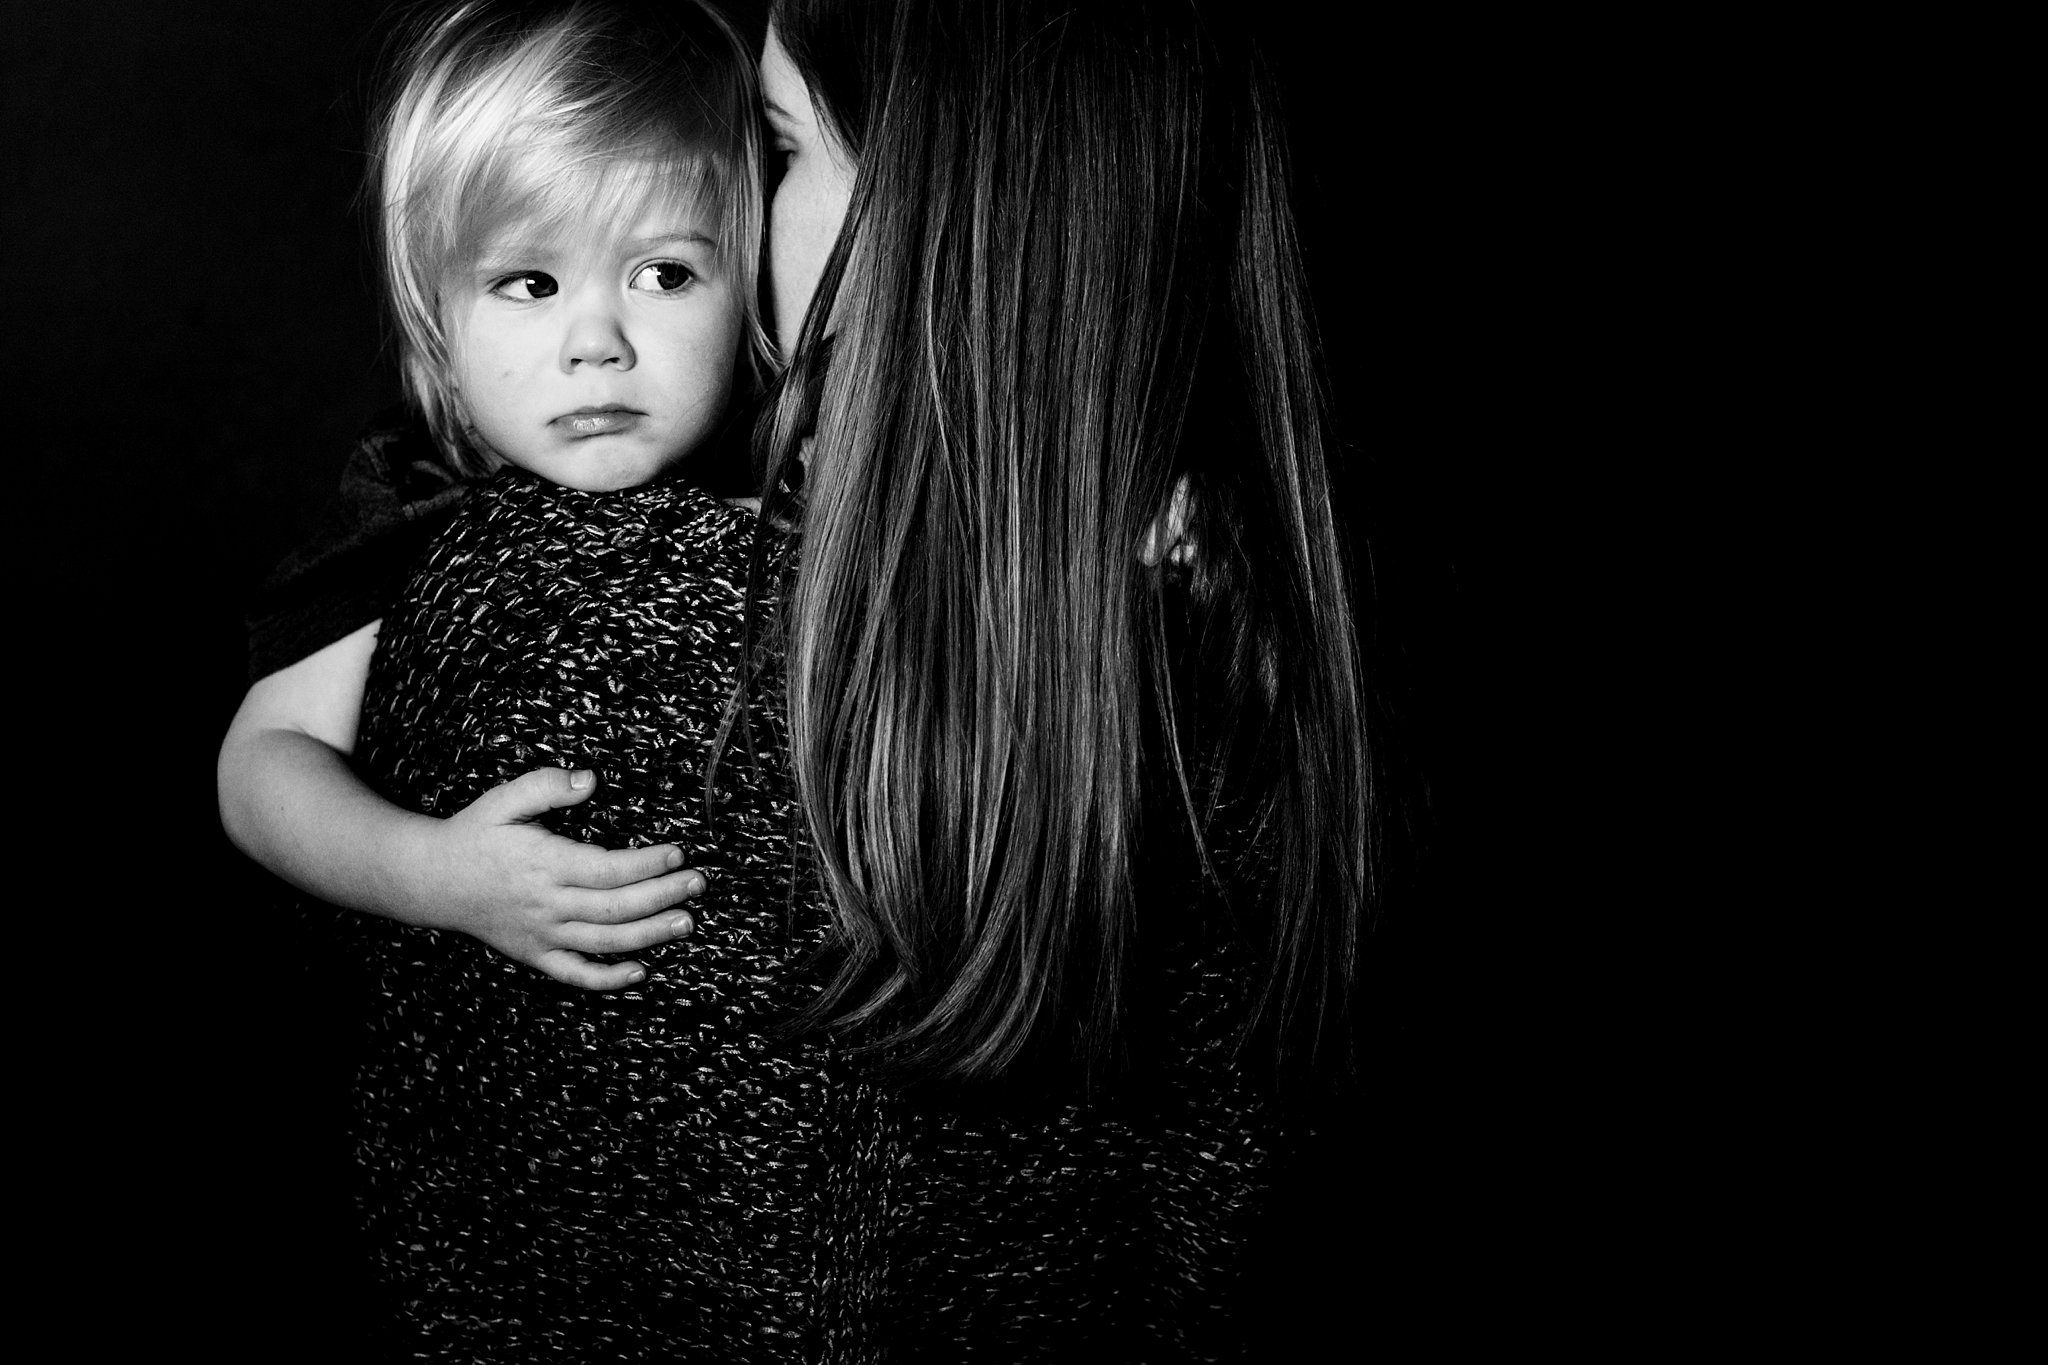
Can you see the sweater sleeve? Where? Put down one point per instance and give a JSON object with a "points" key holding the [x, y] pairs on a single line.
{"points": [[396, 492]]}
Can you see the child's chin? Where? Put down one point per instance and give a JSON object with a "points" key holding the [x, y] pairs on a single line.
{"points": [[604, 474]]}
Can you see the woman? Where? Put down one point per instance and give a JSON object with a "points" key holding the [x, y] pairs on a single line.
{"points": [[1072, 681], [1066, 440], [1062, 668]]}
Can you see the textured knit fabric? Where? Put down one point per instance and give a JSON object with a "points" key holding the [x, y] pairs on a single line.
{"points": [[397, 491], [664, 1173], [558, 1174]]}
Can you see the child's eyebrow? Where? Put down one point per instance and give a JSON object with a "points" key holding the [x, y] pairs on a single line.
{"points": [[776, 111]]}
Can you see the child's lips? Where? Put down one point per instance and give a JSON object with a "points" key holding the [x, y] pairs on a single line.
{"points": [[604, 421]]}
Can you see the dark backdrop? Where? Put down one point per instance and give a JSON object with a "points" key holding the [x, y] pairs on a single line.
{"points": [[194, 340]]}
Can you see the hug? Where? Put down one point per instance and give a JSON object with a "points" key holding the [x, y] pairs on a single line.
{"points": [[855, 827]]}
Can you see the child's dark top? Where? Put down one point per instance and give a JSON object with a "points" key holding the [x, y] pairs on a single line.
{"points": [[397, 492]]}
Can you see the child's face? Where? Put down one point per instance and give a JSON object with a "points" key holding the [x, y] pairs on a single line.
{"points": [[600, 360]]}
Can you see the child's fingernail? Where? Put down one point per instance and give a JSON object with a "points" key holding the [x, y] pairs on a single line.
{"points": [[637, 975], [580, 779], [694, 883], [674, 857], [680, 925]]}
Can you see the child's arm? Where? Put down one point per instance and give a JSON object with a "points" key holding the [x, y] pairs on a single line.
{"points": [[290, 800]]}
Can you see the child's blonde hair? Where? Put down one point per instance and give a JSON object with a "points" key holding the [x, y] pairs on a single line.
{"points": [[558, 114]]}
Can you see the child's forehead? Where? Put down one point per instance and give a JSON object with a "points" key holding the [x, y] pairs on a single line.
{"points": [[654, 227], [619, 204]]}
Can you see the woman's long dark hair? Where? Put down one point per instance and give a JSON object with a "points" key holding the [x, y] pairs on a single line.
{"points": [[1068, 280]]}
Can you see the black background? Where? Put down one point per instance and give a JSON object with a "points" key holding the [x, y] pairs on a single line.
{"points": [[192, 341]]}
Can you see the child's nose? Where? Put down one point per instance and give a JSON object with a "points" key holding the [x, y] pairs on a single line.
{"points": [[596, 338]]}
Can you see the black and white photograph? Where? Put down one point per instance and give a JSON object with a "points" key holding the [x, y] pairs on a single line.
{"points": [[825, 681]]}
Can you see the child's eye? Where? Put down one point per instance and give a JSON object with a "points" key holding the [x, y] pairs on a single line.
{"points": [[664, 277], [529, 284]]}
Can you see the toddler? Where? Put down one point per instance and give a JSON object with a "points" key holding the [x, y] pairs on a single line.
{"points": [[569, 216]]}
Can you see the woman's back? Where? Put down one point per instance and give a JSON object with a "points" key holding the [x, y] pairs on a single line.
{"points": [[561, 1175]]}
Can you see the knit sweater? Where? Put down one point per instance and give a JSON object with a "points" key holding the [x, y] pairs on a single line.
{"points": [[668, 1172]]}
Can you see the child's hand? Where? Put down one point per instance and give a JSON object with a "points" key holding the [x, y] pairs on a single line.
{"points": [[545, 900]]}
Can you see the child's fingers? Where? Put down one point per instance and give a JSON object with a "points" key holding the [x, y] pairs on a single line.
{"points": [[604, 869], [634, 902], [572, 969], [534, 794], [626, 938]]}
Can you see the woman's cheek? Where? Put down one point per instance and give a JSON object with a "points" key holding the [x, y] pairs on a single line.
{"points": [[809, 207], [789, 286]]}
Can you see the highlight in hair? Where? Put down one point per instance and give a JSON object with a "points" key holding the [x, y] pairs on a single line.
{"points": [[557, 117], [1067, 284]]}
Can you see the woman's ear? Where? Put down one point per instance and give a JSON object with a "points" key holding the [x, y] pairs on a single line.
{"points": [[1165, 537]]}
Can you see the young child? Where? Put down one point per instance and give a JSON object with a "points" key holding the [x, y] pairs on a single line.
{"points": [[570, 218], [569, 214]]}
